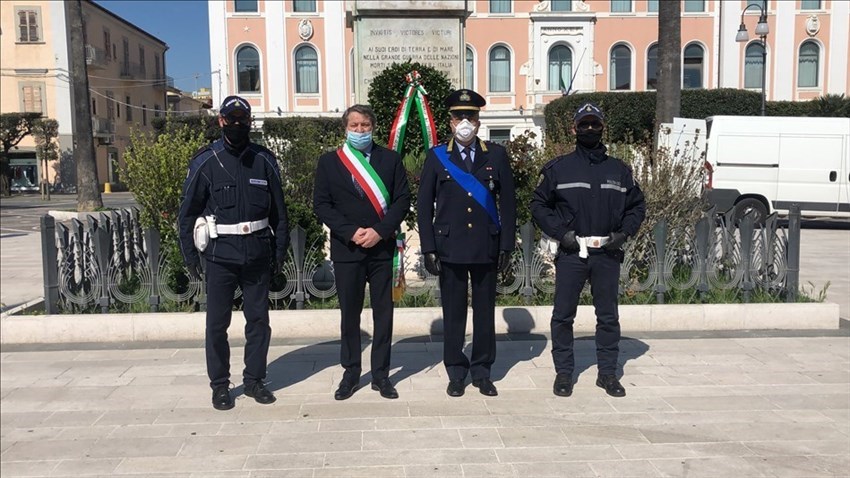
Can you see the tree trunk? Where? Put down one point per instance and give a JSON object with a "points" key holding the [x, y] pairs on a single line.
{"points": [[88, 186], [669, 97]]}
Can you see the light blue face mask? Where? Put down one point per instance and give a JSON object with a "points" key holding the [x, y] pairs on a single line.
{"points": [[359, 141]]}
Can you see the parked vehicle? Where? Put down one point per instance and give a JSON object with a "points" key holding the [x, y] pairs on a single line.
{"points": [[766, 164]]}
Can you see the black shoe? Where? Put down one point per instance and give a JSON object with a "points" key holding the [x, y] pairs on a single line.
{"points": [[385, 387], [486, 387], [563, 386], [260, 393], [221, 399], [455, 388], [611, 385], [346, 389]]}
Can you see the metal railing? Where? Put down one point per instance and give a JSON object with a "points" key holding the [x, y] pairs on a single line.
{"points": [[102, 127], [132, 70], [95, 57], [110, 261]]}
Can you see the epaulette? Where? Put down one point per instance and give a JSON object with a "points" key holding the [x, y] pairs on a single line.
{"points": [[483, 145], [201, 150], [552, 162]]}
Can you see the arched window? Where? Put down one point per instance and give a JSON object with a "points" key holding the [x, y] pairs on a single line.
{"points": [[652, 68], [808, 65], [621, 68], [560, 68], [693, 61], [500, 69], [248, 69], [469, 62], [306, 70], [753, 65]]}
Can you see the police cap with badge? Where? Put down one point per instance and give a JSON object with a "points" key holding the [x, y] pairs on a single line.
{"points": [[235, 108], [464, 102], [586, 110]]}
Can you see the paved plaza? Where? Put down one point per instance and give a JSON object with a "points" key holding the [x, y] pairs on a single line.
{"points": [[722, 407]]}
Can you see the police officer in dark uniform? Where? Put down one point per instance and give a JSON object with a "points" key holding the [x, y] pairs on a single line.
{"points": [[467, 226], [590, 202], [234, 185], [364, 218]]}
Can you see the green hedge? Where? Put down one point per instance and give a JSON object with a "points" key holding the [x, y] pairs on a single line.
{"points": [[631, 115], [206, 124]]}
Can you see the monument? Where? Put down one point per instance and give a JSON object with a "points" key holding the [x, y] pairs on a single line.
{"points": [[395, 31]]}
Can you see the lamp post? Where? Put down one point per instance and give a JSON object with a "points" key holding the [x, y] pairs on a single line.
{"points": [[761, 30]]}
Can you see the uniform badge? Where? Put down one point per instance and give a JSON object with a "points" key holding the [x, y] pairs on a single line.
{"points": [[464, 97], [540, 179]]}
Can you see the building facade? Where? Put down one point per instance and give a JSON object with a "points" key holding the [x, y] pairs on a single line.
{"points": [[127, 82], [296, 57]]}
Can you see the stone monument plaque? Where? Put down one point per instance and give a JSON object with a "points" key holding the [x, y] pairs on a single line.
{"points": [[428, 32]]}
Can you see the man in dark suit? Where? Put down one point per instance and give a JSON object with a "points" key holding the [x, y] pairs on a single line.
{"points": [[361, 194], [466, 236]]}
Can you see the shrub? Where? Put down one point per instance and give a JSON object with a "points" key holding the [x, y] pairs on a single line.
{"points": [[298, 142], [206, 125], [386, 92], [527, 161], [155, 169]]}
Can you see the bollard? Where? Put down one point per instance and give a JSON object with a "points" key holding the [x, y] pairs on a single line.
{"points": [[49, 264], [107, 188], [792, 280]]}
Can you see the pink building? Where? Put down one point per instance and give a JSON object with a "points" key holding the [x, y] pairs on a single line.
{"points": [[295, 57]]}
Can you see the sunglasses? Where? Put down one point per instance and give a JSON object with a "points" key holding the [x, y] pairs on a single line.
{"points": [[244, 120]]}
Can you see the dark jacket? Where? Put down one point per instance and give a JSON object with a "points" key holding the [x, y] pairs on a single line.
{"points": [[234, 188], [588, 192], [451, 222], [338, 204]]}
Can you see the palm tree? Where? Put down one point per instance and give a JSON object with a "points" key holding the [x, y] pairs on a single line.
{"points": [[88, 187], [668, 99]]}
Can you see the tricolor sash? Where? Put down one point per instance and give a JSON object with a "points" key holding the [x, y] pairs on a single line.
{"points": [[375, 189], [470, 184]]}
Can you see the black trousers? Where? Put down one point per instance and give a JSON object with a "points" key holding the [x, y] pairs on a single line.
{"points": [[222, 280], [454, 281], [351, 278], [571, 272]]}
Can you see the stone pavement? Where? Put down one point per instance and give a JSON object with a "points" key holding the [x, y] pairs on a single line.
{"points": [[720, 406]]}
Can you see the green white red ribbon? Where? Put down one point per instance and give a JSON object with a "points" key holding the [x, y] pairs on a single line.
{"points": [[414, 94], [398, 267]]}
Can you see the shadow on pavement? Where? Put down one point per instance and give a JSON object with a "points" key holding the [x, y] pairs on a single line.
{"points": [[520, 324], [411, 364], [585, 353]]}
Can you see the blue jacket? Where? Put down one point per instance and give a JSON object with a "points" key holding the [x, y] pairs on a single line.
{"points": [[588, 192], [234, 188]]}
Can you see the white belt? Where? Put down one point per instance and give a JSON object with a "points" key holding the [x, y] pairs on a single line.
{"points": [[590, 242], [242, 228]]}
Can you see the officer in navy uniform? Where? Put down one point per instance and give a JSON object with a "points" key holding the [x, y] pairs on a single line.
{"points": [[237, 184], [463, 239], [362, 243], [591, 204]]}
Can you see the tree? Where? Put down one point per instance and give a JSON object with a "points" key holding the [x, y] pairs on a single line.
{"points": [[669, 98], [45, 132], [13, 128], [88, 186]]}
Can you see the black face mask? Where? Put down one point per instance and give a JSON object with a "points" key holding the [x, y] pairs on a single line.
{"points": [[236, 135], [589, 138]]}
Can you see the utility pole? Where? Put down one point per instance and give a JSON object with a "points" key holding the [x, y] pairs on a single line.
{"points": [[88, 186]]}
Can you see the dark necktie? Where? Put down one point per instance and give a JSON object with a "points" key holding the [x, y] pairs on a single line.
{"points": [[357, 187], [466, 155]]}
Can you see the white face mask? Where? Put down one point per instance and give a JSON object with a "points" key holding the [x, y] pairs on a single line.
{"points": [[465, 131]]}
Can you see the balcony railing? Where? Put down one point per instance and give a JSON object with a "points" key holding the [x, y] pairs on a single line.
{"points": [[95, 57], [132, 70], [102, 127]]}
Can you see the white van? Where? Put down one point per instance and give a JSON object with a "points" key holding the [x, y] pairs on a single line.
{"points": [[765, 164]]}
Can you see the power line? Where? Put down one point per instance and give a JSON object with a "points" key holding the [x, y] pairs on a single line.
{"points": [[143, 108]]}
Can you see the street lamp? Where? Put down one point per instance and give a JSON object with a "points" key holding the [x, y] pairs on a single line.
{"points": [[761, 30]]}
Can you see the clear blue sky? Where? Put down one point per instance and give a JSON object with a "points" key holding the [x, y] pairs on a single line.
{"points": [[183, 26]]}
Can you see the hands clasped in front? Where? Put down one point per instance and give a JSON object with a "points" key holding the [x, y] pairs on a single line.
{"points": [[365, 237]]}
